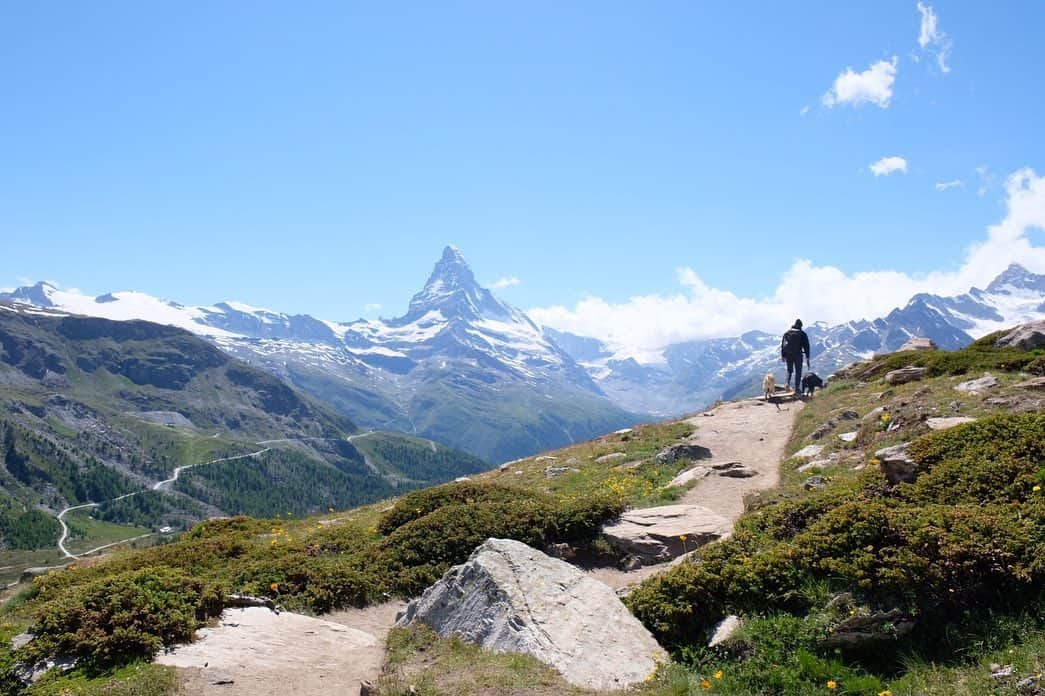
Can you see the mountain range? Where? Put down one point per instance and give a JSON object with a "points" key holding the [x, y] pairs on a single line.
{"points": [[466, 369], [460, 367], [106, 414], [695, 373]]}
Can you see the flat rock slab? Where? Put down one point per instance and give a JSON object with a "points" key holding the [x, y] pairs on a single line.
{"points": [[975, 386], [256, 652], [905, 375], [945, 423], [685, 450], [1035, 384], [848, 437], [509, 597], [656, 534], [1026, 337], [808, 452]]}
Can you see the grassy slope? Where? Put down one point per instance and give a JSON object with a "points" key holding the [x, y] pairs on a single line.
{"points": [[316, 563]]}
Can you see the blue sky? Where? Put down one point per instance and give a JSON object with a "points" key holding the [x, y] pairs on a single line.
{"points": [[316, 157]]}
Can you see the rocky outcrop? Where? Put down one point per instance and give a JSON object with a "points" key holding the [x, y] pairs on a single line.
{"points": [[808, 452], [917, 343], [509, 597], [897, 465], [726, 469], [946, 423], [659, 534], [905, 375], [685, 450], [975, 386], [1034, 384], [1029, 336]]}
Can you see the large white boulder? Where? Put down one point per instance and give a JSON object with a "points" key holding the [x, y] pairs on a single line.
{"points": [[509, 597], [659, 534]]}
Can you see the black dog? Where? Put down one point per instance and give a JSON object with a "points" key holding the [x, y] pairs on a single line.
{"points": [[810, 383]]}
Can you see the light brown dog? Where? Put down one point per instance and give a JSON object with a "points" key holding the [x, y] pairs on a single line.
{"points": [[769, 386]]}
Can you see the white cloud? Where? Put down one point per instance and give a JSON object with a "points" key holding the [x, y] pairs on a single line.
{"points": [[505, 282], [643, 325], [804, 111], [932, 39], [944, 185], [872, 86], [888, 165], [371, 307]]}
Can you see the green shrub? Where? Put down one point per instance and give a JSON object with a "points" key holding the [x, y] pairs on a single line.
{"points": [[121, 618], [969, 531], [417, 504], [980, 356], [420, 551]]}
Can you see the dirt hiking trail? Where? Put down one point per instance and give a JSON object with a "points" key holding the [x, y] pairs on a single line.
{"points": [[254, 652], [752, 432]]}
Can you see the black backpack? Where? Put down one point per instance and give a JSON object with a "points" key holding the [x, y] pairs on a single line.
{"points": [[792, 343]]}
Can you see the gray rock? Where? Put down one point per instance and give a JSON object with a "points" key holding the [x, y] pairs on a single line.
{"points": [[368, 688], [1029, 685], [563, 551], [22, 640], [509, 597], [897, 465], [945, 423], [610, 457], [849, 414], [848, 437], [544, 458], [917, 343], [824, 428], [1025, 337], [733, 470], [808, 452], [956, 406], [553, 471], [882, 626], [905, 375], [631, 563], [694, 473], [655, 534], [1001, 672], [724, 630], [814, 464], [815, 483], [684, 450], [1034, 383], [884, 395], [975, 386]]}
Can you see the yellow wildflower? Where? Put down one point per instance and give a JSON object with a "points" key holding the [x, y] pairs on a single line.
{"points": [[1037, 489], [832, 684], [274, 587], [887, 692], [682, 537], [718, 674], [705, 684]]}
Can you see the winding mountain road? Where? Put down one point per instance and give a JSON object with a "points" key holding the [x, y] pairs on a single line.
{"points": [[177, 471], [155, 487]]}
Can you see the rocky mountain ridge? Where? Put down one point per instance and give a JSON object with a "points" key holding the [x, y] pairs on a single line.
{"points": [[696, 373], [460, 366]]}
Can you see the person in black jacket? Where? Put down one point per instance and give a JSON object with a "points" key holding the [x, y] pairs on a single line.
{"points": [[792, 346]]}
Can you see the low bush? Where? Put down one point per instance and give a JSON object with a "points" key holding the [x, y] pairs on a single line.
{"points": [[970, 531], [121, 618]]}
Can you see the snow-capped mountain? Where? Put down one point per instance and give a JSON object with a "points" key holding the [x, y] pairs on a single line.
{"points": [[696, 373], [460, 367]]}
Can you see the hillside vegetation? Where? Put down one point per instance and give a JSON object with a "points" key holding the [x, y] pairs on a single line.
{"points": [[944, 574], [92, 410]]}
